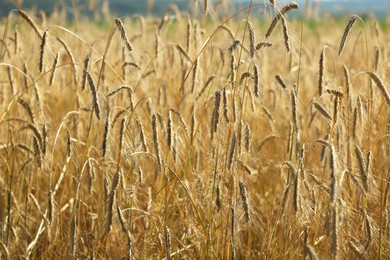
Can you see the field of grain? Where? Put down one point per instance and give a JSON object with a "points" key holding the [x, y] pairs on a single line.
{"points": [[248, 136]]}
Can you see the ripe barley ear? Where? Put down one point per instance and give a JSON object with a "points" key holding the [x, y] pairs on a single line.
{"points": [[95, 103], [122, 31], [30, 22], [362, 167], [280, 80], [53, 68], [27, 107], [323, 111], [105, 136], [290, 6], [42, 52], [247, 137], [252, 40], [155, 142], [169, 131], [256, 77], [111, 201], [215, 115], [85, 69], [168, 243], [231, 151], [286, 36], [379, 83], [233, 46], [195, 75], [321, 72], [245, 201], [294, 116], [346, 32]]}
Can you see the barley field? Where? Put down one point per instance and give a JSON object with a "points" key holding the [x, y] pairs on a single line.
{"points": [[251, 135]]}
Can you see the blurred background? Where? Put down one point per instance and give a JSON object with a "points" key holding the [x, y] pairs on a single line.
{"points": [[97, 8]]}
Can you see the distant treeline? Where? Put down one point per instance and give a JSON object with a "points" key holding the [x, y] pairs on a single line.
{"points": [[131, 7], [116, 7]]}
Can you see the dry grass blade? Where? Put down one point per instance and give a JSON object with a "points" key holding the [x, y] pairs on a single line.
{"points": [[73, 237], [208, 82], [311, 252], [70, 55], [334, 214], [357, 250], [4, 249], [168, 243]]}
